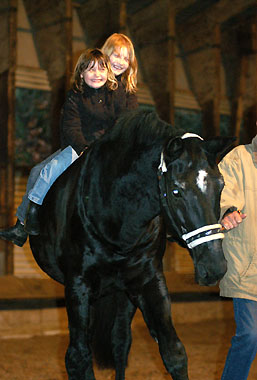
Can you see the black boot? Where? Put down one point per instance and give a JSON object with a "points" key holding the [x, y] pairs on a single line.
{"points": [[31, 225], [16, 234]]}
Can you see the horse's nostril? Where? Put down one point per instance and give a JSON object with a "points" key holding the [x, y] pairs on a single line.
{"points": [[202, 273]]}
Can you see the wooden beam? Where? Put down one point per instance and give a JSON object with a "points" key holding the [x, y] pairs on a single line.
{"points": [[254, 34], [171, 62], [211, 108], [11, 125], [238, 109], [123, 17], [217, 80], [7, 93], [60, 85], [3, 147], [250, 114], [68, 31]]}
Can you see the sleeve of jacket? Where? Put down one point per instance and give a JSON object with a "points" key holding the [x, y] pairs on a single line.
{"points": [[71, 126], [233, 192]]}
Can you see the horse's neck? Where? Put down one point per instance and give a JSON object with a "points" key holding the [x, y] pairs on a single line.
{"points": [[124, 195]]}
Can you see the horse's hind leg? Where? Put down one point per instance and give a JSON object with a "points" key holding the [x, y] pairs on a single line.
{"points": [[154, 303], [121, 334], [78, 357]]}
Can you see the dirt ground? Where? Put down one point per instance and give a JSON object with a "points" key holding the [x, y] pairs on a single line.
{"points": [[42, 357], [29, 350]]}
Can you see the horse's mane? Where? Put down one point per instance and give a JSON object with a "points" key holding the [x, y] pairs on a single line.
{"points": [[130, 139], [141, 126]]}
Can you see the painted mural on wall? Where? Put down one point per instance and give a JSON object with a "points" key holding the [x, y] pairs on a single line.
{"points": [[33, 137], [191, 121], [225, 121]]}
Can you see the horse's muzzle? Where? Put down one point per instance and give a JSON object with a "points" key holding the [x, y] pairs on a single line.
{"points": [[209, 275]]}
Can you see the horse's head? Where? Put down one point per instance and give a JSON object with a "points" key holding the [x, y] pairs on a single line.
{"points": [[190, 186]]}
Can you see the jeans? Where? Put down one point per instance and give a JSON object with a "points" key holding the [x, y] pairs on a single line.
{"points": [[33, 175], [244, 344], [50, 172]]}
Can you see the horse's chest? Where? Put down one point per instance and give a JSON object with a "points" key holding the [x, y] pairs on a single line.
{"points": [[127, 275]]}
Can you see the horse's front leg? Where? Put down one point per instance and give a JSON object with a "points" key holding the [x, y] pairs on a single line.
{"points": [[78, 357], [154, 302]]}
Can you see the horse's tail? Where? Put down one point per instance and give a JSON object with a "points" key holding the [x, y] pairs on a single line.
{"points": [[103, 319], [106, 323]]}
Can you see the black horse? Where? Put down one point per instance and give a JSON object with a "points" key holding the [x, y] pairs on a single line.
{"points": [[103, 234]]}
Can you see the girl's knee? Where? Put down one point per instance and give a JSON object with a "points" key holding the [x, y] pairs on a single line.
{"points": [[252, 338], [35, 170], [249, 338]]}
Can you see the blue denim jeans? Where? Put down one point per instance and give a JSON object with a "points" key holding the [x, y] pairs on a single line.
{"points": [[244, 344], [33, 176], [50, 172]]}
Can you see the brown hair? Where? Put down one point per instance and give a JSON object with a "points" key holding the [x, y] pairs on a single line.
{"points": [[85, 59]]}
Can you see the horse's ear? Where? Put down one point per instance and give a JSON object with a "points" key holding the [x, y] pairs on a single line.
{"points": [[173, 149], [218, 147]]}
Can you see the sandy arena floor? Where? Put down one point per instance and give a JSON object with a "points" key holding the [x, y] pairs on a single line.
{"points": [[42, 357]]}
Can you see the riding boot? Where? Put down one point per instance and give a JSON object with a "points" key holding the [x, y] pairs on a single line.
{"points": [[16, 234], [31, 224]]}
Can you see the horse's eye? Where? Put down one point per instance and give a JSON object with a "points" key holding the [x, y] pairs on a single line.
{"points": [[176, 193]]}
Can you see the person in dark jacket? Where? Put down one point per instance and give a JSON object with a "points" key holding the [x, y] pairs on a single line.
{"points": [[103, 107], [90, 108]]}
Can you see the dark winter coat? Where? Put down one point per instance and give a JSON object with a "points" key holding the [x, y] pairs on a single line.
{"points": [[86, 116]]}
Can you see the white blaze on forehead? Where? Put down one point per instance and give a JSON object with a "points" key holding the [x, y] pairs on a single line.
{"points": [[201, 180]]}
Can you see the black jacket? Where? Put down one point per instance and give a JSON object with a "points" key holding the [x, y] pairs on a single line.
{"points": [[86, 116]]}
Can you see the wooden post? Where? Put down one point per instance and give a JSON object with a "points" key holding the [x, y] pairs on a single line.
{"points": [[211, 108], [123, 17], [250, 114], [254, 35], [217, 81], [8, 132], [68, 28], [11, 125], [237, 117], [171, 62], [59, 86], [5, 248]]}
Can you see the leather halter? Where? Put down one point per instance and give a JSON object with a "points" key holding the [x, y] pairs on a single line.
{"points": [[200, 235]]}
